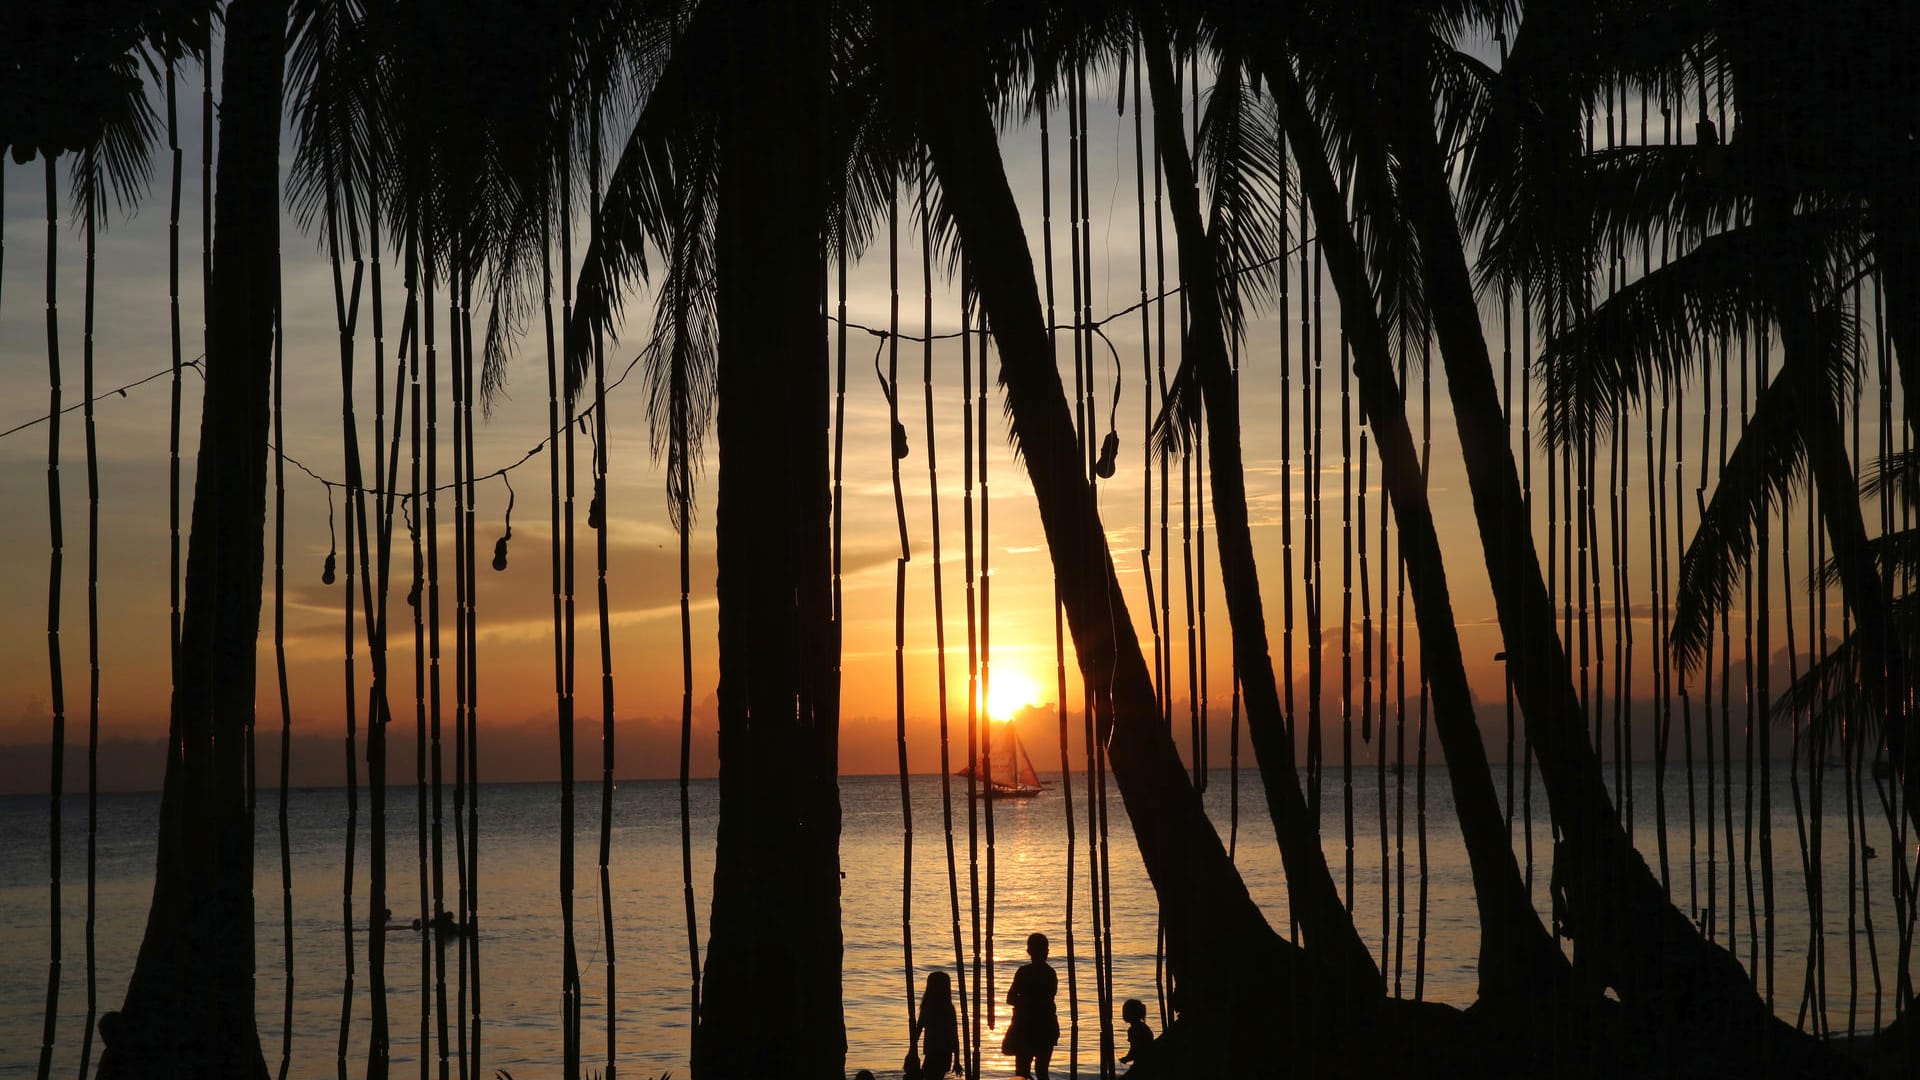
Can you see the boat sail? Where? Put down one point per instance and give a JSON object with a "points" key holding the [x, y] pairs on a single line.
{"points": [[1010, 773]]}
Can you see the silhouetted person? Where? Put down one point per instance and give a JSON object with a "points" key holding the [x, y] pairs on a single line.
{"points": [[1035, 1028], [1563, 924], [446, 925], [1557, 894], [937, 1031], [1139, 1035]]}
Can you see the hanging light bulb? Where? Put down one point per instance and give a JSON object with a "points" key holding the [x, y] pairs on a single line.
{"points": [[500, 545], [326, 571], [1109, 456], [413, 595], [595, 518], [899, 441]]}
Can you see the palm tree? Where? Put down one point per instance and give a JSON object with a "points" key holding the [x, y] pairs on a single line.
{"points": [[75, 72], [1236, 974], [1779, 245], [1671, 981], [189, 1006], [1315, 899], [776, 911], [740, 337], [1518, 958]]}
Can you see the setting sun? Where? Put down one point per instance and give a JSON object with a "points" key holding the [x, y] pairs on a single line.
{"points": [[1009, 690]]}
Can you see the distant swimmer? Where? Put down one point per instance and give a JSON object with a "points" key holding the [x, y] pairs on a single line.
{"points": [[387, 924], [446, 925]]}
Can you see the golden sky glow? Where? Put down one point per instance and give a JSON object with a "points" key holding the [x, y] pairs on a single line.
{"points": [[517, 704], [1011, 689]]}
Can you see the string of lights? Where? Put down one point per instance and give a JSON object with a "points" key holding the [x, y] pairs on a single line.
{"points": [[198, 363]]}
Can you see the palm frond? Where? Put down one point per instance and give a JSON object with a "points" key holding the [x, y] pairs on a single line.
{"points": [[1523, 182], [682, 359], [1652, 328], [1641, 193], [1179, 416], [330, 93], [1836, 690], [1896, 475], [642, 202], [513, 291], [118, 163], [1896, 553], [1239, 158], [1759, 475]]}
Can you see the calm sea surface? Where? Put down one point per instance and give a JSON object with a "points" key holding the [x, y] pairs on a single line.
{"points": [[519, 902]]}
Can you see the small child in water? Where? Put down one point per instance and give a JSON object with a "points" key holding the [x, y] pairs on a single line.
{"points": [[938, 1029], [1139, 1035]]}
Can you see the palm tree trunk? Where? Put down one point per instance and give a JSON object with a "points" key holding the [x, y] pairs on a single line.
{"points": [[189, 1008], [1863, 588], [56, 772], [1315, 899], [1207, 906], [91, 226], [1669, 978], [1516, 954], [776, 886], [1236, 974]]}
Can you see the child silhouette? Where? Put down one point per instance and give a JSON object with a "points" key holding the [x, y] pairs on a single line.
{"points": [[1139, 1035], [937, 1030], [1035, 1028]]}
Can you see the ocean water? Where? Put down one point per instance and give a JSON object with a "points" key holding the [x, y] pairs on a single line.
{"points": [[521, 923]]}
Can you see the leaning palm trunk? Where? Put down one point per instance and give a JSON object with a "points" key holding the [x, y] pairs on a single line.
{"points": [[1517, 956], [1315, 899], [189, 1008], [776, 884], [1830, 466], [1236, 975], [1695, 1006]]}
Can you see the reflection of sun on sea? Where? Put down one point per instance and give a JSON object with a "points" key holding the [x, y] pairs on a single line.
{"points": [[1008, 691]]}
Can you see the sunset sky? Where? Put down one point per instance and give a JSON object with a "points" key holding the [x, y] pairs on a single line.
{"points": [[516, 679]]}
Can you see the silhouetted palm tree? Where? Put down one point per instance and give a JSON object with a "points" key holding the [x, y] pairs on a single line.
{"points": [[1779, 242], [740, 338], [1235, 974], [189, 1007], [1315, 900], [1373, 69], [1518, 958]]}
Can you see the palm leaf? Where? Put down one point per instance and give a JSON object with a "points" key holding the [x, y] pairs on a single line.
{"points": [[642, 202], [1523, 189], [682, 358], [119, 162], [1759, 475], [1240, 164], [1651, 329], [1896, 475], [329, 89], [1896, 553], [1837, 689]]}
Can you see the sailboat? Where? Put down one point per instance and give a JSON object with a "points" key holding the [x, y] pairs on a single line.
{"points": [[1010, 773]]}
